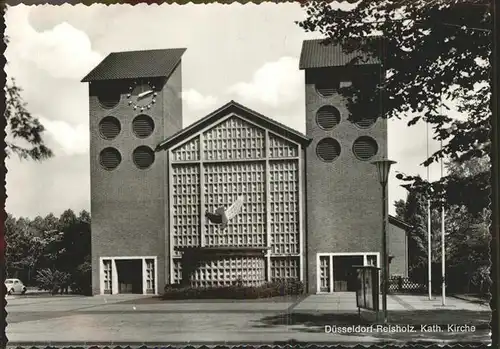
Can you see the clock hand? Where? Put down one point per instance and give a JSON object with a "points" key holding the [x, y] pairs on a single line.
{"points": [[144, 94]]}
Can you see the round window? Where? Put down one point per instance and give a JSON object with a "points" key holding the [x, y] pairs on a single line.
{"points": [[366, 122], [109, 127], [328, 117], [352, 44], [109, 96], [110, 158], [365, 148], [143, 157], [328, 149], [327, 88], [143, 126]]}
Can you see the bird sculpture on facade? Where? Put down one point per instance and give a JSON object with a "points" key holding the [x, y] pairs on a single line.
{"points": [[222, 216]]}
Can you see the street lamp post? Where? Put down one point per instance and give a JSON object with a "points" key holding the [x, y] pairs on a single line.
{"points": [[383, 168]]}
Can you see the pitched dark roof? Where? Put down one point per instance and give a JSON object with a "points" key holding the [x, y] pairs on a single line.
{"points": [[134, 64], [319, 54], [399, 223], [238, 109]]}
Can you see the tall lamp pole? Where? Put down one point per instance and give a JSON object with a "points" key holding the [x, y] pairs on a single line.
{"points": [[383, 168]]}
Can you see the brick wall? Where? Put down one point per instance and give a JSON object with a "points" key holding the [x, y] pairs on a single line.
{"points": [[399, 249], [344, 197], [128, 205]]}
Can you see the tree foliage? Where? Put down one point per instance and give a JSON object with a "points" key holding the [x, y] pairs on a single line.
{"points": [[24, 131], [59, 246], [432, 52], [467, 236]]}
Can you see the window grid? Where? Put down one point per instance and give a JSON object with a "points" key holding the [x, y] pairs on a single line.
{"points": [[185, 206], [324, 276], [177, 271], [188, 152], [150, 276], [108, 279], [284, 207], [223, 184], [371, 260], [284, 268], [233, 139], [228, 270], [280, 148]]}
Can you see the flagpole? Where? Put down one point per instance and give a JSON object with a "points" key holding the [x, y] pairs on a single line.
{"points": [[443, 217], [443, 259], [429, 276]]}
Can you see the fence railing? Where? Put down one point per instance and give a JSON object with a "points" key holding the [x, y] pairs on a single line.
{"points": [[400, 284]]}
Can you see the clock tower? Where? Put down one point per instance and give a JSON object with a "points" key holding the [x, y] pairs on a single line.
{"points": [[135, 103]]}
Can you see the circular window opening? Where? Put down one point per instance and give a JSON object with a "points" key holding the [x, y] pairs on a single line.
{"points": [[143, 126], [327, 88], [328, 117], [109, 96], [365, 148], [110, 158], [109, 127], [352, 44], [143, 157], [328, 149], [366, 122]]}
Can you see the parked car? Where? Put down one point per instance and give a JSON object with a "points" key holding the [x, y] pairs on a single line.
{"points": [[15, 286]]}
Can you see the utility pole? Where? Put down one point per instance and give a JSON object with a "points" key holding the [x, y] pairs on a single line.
{"points": [[495, 175]]}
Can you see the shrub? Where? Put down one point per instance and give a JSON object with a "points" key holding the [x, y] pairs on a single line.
{"points": [[81, 282], [52, 280], [236, 291]]}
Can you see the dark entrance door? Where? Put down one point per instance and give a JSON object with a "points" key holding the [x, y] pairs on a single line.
{"points": [[344, 275], [129, 275]]}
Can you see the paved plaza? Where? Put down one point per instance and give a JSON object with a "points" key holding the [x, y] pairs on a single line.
{"points": [[131, 319]]}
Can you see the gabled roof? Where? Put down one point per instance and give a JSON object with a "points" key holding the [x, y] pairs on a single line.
{"points": [[399, 223], [135, 64], [240, 110], [319, 53]]}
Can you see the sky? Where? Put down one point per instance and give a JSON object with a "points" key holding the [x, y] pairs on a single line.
{"points": [[247, 53]]}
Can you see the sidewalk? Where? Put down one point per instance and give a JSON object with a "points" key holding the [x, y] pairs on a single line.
{"points": [[345, 302]]}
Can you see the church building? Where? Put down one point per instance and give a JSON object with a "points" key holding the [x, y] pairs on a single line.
{"points": [[309, 206]]}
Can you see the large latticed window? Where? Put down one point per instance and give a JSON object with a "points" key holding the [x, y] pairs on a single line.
{"points": [[284, 268], [185, 205], [233, 140], [280, 148], [223, 184], [189, 151], [236, 158], [284, 207], [227, 271]]}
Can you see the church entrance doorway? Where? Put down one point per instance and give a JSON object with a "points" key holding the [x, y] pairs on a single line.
{"points": [[336, 272]]}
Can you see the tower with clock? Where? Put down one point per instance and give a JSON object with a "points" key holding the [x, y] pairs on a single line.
{"points": [[134, 104]]}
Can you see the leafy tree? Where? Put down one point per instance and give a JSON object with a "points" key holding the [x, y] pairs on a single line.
{"points": [[24, 131], [24, 138], [467, 237], [57, 244], [431, 52]]}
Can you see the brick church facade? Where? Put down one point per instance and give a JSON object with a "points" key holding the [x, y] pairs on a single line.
{"points": [[311, 202]]}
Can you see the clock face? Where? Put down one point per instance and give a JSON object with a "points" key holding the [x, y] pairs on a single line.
{"points": [[142, 95]]}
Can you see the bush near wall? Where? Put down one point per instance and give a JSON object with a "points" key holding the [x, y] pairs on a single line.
{"points": [[272, 289]]}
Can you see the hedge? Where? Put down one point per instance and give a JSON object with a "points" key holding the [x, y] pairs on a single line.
{"points": [[272, 289]]}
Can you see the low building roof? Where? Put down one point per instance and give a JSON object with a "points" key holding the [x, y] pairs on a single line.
{"points": [[399, 223]]}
